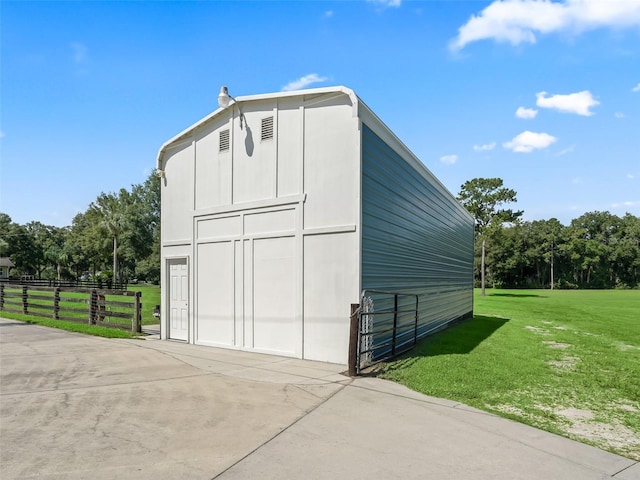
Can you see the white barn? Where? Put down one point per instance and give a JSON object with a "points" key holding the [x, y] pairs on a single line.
{"points": [[278, 210]]}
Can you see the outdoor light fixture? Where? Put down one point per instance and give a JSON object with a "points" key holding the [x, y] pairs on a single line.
{"points": [[160, 173], [224, 99]]}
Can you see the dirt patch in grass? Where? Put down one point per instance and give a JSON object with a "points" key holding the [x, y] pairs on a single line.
{"points": [[557, 345], [627, 407], [575, 414], [565, 363], [606, 435], [538, 330]]}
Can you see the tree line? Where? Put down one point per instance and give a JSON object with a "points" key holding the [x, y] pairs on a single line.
{"points": [[596, 250], [116, 239]]}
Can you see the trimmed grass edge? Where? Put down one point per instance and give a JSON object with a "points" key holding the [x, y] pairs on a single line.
{"points": [[95, 330]]}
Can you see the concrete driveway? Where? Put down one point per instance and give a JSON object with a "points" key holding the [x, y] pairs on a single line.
{"points": [[79, 407]]}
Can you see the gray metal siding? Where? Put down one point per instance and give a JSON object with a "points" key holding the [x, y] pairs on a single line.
{"points": [[415, 239]]}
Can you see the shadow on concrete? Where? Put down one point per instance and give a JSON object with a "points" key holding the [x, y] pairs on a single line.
{"points": [[4, 323]]}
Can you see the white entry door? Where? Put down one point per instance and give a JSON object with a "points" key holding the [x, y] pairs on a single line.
{"points": [[178, 299]]}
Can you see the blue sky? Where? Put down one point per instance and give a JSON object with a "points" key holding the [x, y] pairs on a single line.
{"points": [[545, 95]]}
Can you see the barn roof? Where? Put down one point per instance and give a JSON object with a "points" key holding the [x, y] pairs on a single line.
{"points": [[6, 262]]}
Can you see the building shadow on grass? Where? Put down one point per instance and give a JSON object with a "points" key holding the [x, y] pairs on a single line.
{"points": [[516, 295], [458, 339]]}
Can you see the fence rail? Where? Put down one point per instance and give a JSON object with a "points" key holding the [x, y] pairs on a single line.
{"points": [[36, 282], [89, 306]]}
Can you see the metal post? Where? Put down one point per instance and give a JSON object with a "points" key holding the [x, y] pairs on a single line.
{"points": [[395, 324], [482, 269], [354, 328], [415, 328]]}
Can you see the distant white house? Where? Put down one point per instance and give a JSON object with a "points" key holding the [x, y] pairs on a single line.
{"points": [[5, 265], [279, 209]]}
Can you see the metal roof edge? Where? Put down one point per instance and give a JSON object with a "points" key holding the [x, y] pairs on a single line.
{"points": [[408, 155]]}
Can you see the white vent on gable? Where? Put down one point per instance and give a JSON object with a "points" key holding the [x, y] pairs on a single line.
{"points": [[267, 129], [224, 140]]}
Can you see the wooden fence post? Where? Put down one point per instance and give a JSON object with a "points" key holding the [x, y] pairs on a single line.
{"points": [[25, 300], [56, 303], [136, 322], [93, 306], [354, 328], [1, 296]]}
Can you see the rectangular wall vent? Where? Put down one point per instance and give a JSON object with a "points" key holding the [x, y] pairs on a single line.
{"points": [[224, 140], [267, 129]]}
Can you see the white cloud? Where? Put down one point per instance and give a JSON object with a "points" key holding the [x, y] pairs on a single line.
{"points": [[449, 159], [576, 180], [565, 151], [485, 147], [526, 112], [578, 103], [328, 13], [619, 115], [625, 204], [630, 176], [527, 142], [1, 134], [79, 52], [386, 3], [303, 82], [636, 88], [522, 21]]}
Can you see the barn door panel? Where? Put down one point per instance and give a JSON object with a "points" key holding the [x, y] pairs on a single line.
{"points": [[215, 295], [274, 295]]}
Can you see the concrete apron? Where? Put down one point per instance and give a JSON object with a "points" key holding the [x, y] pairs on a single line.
{"points": [[75, 407]]}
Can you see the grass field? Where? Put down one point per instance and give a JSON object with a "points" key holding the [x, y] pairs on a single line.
{"points": [[564, 361], [150, 298]]}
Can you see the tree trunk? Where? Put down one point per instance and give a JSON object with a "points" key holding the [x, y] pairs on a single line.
{"points": [[115, 258], [482, 269], [552, 266]]}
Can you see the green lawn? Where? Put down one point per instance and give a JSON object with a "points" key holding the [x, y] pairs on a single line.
{"points": [[95, 330], [564, 361], [150, 298]]}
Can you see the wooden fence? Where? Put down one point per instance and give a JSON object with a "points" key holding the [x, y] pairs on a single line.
{"points": [[90, 306], [37, 282]]}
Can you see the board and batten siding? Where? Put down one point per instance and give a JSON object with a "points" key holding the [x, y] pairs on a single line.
{"points": [[416, 238]]}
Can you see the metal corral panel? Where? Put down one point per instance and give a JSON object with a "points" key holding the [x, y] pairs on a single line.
{"points": [[416, 238]]}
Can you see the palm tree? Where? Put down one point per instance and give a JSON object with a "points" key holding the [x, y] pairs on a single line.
{"points": [[112, 209], [59, 257]]}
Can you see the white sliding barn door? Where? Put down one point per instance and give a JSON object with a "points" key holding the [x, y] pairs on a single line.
{"points": [[248, 286]]}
